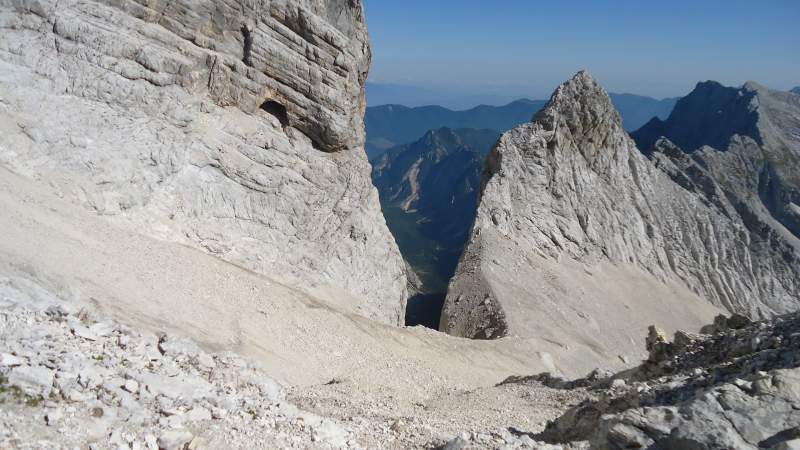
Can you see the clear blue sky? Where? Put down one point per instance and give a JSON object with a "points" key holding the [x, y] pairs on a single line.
{"points": [[526, 47]]}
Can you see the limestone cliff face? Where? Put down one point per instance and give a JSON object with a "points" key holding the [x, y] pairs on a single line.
{"points": [[234, 126], [580, 239], [748, 138]]}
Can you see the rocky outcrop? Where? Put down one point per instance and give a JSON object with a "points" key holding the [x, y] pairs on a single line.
{"points": [[235, 127], [581, 240], [748, 139], [735, 388]]}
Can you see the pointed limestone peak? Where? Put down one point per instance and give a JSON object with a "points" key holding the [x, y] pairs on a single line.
{"points": [[752, 86], [581, 108]]}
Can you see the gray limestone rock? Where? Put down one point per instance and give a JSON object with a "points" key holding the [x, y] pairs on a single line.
{"points": [[582, 241], [706, 393], [235, 127]]}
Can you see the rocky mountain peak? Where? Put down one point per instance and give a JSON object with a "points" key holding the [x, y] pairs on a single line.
{"points": [[710, 115], [752, 86], [443, 139], [581, 106]]}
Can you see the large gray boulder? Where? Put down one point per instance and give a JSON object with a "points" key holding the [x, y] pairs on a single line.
{"points": [[582, 241], [235, 127]]}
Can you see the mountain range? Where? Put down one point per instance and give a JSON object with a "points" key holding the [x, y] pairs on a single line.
{"points": [[193, 253], [577, 229], [390, 125]]}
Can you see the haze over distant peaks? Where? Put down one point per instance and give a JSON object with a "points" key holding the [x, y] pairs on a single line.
{"points": [[392, 124]]}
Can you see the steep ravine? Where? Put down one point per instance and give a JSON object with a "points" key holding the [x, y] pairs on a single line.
{"points": [[428, 192]]}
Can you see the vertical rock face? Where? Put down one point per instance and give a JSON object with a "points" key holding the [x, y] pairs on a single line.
{"points": [[748, 138], [579, 239], [234, 126]]}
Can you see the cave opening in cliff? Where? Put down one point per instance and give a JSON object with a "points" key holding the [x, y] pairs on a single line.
{"points": [[276, 109]]}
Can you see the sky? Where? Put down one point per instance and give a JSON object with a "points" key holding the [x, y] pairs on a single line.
{"points": [[524, 48]]}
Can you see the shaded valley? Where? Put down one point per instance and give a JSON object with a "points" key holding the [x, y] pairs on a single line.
{"points": [[428, 191]]}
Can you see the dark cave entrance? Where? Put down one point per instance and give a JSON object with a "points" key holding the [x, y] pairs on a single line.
{"points": [[276, 109]]}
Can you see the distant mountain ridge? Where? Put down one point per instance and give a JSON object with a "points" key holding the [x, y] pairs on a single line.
{"points": [[389, 125], [795, 90], [428, 192], [748, 138]]}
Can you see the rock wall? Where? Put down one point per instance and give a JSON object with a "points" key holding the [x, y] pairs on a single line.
{"points": [[581, 240], [233, 126], [748, 138]]}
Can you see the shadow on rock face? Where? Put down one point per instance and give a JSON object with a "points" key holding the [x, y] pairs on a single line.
{"points": [[425, 310]]}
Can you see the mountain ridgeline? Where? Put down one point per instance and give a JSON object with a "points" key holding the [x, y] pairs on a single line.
{"points": [[582, 239], [747, 139], [390, 125]]}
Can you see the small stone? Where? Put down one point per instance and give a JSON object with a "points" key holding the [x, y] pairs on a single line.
{"points": [[131, 386], [618, 384], [218, 413], [102, 329], [197, 414], [174, 439], [75, 395], [33, 380], [738, 321], [205, 361], [744, 385], [150, 442], [84, 332], [53, 416], [330, 433], [398, 426], [198, 443], [9, 360], [458, 443]]}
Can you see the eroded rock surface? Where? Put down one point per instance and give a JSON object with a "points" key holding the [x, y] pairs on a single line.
{"points": [[734, 389], [581, 240], [234, 126], [748, 140]]}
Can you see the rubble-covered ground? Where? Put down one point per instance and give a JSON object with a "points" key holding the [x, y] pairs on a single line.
{"points": [[74, 379], [737, 387], [69, 378]]}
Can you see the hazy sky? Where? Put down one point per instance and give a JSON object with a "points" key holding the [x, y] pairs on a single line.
{"points": [[526, 47]]}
